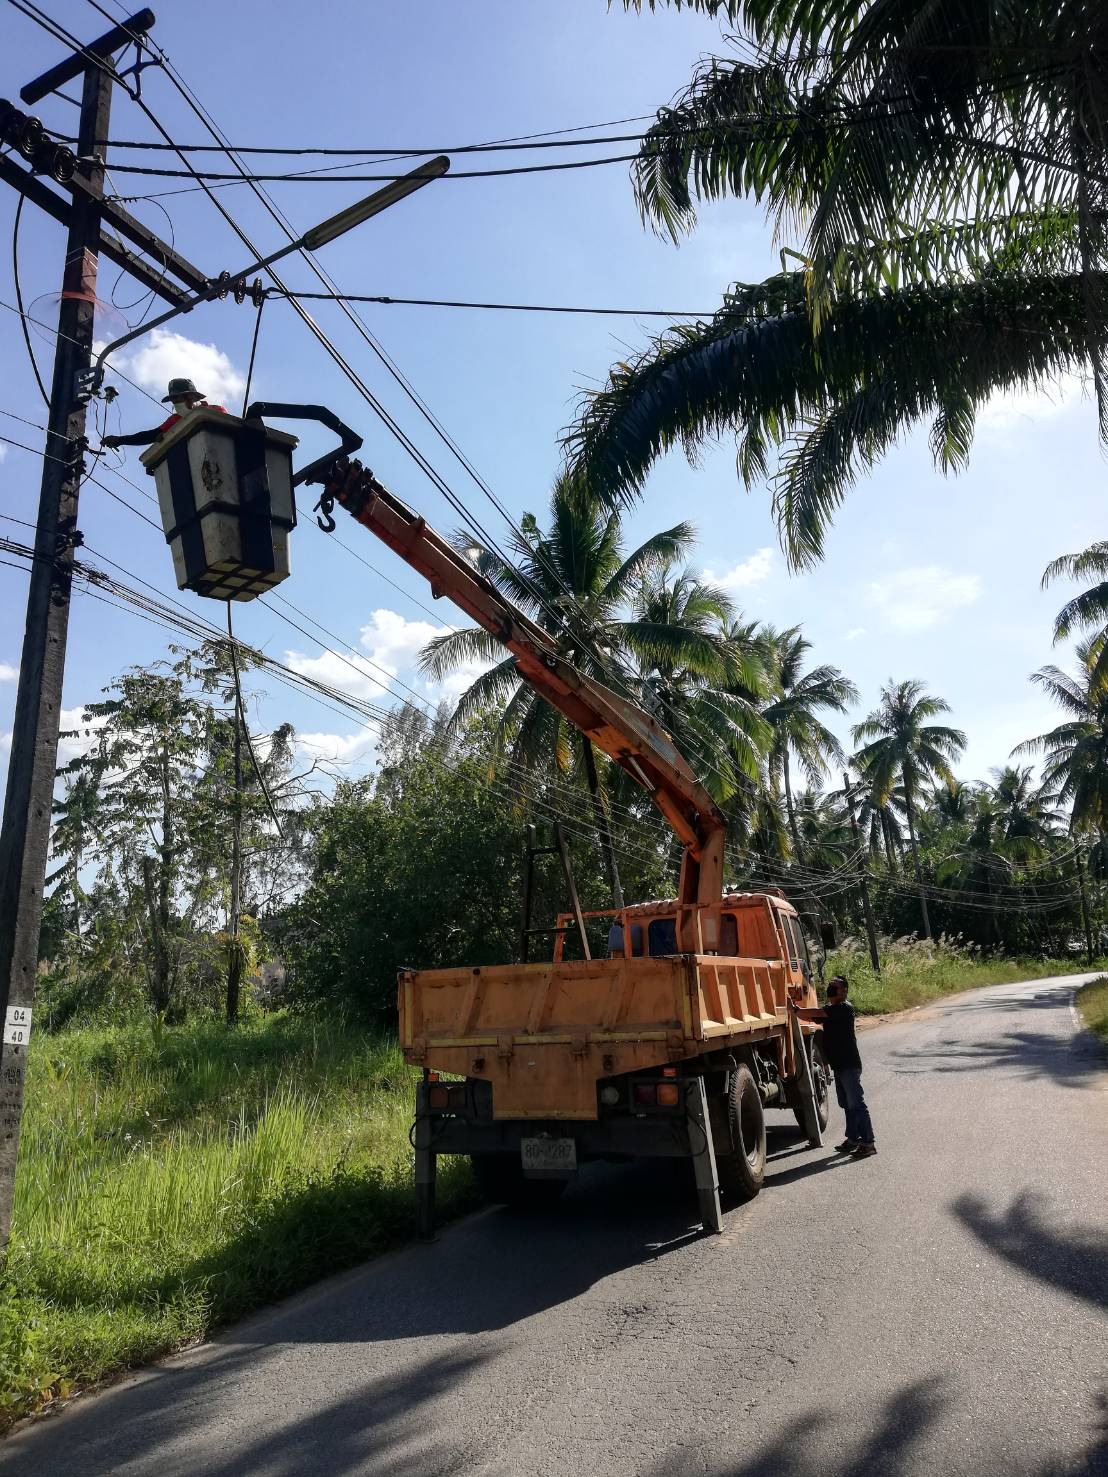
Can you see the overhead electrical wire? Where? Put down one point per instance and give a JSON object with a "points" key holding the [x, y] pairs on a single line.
{"points": [[223, 146]]}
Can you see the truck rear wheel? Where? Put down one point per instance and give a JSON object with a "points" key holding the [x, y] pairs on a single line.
{"points": [[741, 1163], [500, 1178], [821, 1081]]}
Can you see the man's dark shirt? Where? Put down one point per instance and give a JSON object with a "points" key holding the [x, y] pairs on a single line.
{"points": [[840, 1046]]}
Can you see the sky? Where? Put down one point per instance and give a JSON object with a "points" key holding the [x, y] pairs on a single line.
{"points": [[925, 576]]}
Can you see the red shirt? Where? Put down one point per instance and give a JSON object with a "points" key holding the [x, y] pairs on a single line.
{"points": [[174, 418]]}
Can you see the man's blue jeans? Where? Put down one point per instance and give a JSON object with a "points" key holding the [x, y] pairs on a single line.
{"points": [[848, 1090]]}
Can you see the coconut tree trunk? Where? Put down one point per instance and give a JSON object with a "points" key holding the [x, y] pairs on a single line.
{"points": [[887, 837], [794, 829], [910, 812], [603, 831]]}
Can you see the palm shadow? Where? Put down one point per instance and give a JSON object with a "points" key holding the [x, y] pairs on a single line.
{"points": [[1074, 1259]]}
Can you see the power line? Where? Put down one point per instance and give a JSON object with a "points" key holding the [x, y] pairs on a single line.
{"points": [[438, 302]]}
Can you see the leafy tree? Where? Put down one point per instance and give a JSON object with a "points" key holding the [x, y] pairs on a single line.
{"points": [[135, 791], [163, 832], [792, 712], [899, 743], [420, 866]]}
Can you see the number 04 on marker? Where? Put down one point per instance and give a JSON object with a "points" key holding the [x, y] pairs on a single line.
{"points": [[17, 1025]]}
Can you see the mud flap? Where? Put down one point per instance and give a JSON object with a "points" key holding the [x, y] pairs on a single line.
{"points": [[704, 1156], [425, 1166]]}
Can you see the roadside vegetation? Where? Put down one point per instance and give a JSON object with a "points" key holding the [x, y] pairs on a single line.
{"points": [[172, 1178], [1092, 1002], [913, 973]]}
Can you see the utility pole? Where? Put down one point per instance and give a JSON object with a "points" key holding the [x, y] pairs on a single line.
{"points": [[863, 879], [32, 764]]}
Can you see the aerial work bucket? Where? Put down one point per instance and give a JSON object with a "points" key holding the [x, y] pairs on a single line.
{"points": [[225, 493], [225, 489]]}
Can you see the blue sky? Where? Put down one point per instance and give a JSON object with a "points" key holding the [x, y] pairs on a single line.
{"points": [[925, 576]]}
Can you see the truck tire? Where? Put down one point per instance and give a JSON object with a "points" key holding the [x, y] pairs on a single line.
{"points": [[821, 1081], [500, 1179], [742, 1168]]}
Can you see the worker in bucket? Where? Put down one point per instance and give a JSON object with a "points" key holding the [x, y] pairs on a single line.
{"points": [[183, 397], [840, 1047]]}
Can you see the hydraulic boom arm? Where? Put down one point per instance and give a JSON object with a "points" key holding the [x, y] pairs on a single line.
{"points": [[621, 729]]}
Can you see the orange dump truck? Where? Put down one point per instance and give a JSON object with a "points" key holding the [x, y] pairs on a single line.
{"points": [[648, 1053], [673, 1044]]}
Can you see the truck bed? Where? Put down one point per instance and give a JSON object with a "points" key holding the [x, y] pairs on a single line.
{"points": [[544, 1034]]}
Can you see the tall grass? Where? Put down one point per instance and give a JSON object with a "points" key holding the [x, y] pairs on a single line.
{"points": [[1092, 1001], [172, 1179], [913, 971]]}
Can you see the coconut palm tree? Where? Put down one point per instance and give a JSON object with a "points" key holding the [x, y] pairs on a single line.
{"points": [[575, 580], [699, 676], [1090, 607], [899, 743], [792, 714], [948, 169], [1075, 754]]}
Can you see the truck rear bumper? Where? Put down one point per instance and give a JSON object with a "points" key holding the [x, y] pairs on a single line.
{"points": [[653, 1137]]}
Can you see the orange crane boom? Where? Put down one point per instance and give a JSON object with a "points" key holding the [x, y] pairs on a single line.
{"points": [[628, 735]]}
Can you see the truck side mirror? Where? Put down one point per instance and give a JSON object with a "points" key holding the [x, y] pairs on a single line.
{"points": [[827, 934]]}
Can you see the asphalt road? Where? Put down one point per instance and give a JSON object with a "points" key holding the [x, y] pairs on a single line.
{"points": [[940, 1308]]}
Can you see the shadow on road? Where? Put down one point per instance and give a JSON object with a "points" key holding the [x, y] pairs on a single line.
{"points": [[809, 1446], [369, 1431], [1072, 1061], [830, 1442], [1073, 1258]]}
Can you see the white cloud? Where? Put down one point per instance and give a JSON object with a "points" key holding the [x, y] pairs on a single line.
{"points": [[3, 451], [918, 599], [855, 632], [392, 645], [752, 571], [8, 673], [340, 750], [83, 732], [346, 671], [1013, 409], [165, 355], [5, 742]]}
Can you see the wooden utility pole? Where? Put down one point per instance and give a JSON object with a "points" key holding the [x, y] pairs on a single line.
{"points": [[863, 878], [32, 764]]}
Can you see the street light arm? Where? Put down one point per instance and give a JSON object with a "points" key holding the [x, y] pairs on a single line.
{"points": [[328, 230]]}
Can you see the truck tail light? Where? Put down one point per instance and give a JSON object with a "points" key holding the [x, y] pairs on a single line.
{"points": [[669, 1094], [645, 1094], [438, 1098], [609, 1096]]}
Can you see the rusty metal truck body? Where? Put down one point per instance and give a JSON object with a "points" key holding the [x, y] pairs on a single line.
{"points": [[671, 1046]]}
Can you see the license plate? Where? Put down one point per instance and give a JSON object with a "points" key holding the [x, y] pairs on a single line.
{"points": [[548, 1158]]}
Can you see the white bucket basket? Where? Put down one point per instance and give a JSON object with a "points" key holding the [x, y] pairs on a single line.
{"points": [[225, 489]]}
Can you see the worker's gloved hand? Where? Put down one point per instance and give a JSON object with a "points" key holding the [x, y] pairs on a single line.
{"points": [[109, 441]]}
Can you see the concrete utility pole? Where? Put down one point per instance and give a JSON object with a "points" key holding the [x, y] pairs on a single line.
{"points": [[863, 879], [25, 837]]}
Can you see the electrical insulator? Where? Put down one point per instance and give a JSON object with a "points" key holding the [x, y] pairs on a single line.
{"points": [[30, 137]]}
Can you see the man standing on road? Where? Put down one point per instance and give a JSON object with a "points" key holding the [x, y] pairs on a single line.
{"points": [[840, 1047]]}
